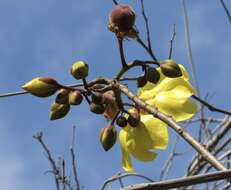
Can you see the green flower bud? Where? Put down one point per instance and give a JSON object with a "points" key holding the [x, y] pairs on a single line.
{"points": [[79, 70], [141, 81], [59, 111], [97, 98], [62, 96], [152, 75], [121, 121], [108, 137], [97, 108], [170, 68], [75, 97], [134, 119], [42, 86]]}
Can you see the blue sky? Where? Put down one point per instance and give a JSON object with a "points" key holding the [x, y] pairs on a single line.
{"points": [[43, 38]]}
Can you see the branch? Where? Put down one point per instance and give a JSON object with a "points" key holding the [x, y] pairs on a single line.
{"points": [[55, 169], [210, 107], [146, 25], [226, 10], [181, 131], [185, 181], [121, 176], [121, 49], [171, 41], [73, 160]]}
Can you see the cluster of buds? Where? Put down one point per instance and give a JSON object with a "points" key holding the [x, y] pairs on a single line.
{"points": [[122, 20]]}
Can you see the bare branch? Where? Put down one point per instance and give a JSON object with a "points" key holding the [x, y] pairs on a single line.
{"points": [[210, 107], [171, 41], [55, 169], [185, 181], [226, 10], [73, 160]]}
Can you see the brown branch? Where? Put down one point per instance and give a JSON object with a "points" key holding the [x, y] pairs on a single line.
{"points": [[121, 50], [73, 160], [171, 41], [226, 10], [181, 131], [121, 176], [210, 107], [198, 163], [55, 169], [185, 181], [146, 25], [115, 2]]}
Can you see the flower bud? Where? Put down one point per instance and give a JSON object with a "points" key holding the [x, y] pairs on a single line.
{"points": [[79, 70], [152, 75], [59, 111], [41, 86], [121, 121], [134, 119], [75, 97], [170, 68], [62, 96], [108, 137], [122, 17], [97, 108], [111, 107], [141, 81], [97, 98]]}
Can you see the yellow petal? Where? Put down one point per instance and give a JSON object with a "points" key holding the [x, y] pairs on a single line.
{"points": [[150, 134], [126, 159], [143, 155], [177, 107], [166, 85]]}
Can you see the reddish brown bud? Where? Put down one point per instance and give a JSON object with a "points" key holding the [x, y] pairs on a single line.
{"points": [[141, 81], [152, 75], [97, 98], [75, 97], [97, 108], [134, 119], [110, 105], [123, 17], [121, 121]]}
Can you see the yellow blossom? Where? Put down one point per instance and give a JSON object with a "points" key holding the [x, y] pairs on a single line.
{"points": [[170, 96]]}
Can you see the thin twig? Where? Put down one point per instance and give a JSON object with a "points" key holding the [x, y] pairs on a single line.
{"points": [[226, 10], [121, 50], [181, 182], [210, 107], [55, 169], [73, 160], [115, 2], [146, 25], [171, 41], [168, 162], [121, 176]]}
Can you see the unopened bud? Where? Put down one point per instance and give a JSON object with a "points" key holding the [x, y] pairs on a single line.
{"points": [[97, 108], [97, 98], [108, 137], [42, 86], [121, 121], [141, 81], [122, 17], [75, 97], [134, 119], [152, 75], [110, 104], [170, 68], [59, 111], [79, 70], [62, 96]]}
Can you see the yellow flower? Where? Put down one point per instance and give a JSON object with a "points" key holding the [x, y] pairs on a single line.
{"points": [[170, 96]]}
